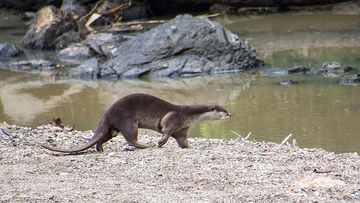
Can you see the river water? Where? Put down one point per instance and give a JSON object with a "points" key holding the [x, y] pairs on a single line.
{"points": [[318, 111]]}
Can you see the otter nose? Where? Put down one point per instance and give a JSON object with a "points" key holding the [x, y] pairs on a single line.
{"points": [[228, 114]]}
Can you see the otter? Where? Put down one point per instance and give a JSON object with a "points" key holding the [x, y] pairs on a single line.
{"points": [[138, 110]]}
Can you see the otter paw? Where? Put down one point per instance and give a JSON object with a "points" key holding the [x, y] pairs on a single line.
{"points": [[161, 143]]}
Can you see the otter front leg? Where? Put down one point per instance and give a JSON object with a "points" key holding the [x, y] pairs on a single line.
{"points": [[181, 137]]}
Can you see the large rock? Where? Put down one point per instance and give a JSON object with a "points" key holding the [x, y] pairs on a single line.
{"points": [[181, 47], [95, 45], [87, 70], [66, 39], [8, 50], [331, 69], [50, 24], [75, 52], [350, 80]]}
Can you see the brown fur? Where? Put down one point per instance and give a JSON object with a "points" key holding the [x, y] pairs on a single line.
{"points": [[145, 111]]}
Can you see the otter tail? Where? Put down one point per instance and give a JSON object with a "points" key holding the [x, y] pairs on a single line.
{"points": [[99, 135]]}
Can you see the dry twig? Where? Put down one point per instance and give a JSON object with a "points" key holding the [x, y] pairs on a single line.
{"points": [[91, 12], [268, 153], [285, 140], [139, 22], [321, 171]]}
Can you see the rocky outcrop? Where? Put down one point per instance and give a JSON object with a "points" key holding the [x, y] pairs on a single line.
{"points": [[350, 80], [8, 50], [77, 52], [330, 69], [184, 46], [48, 29], [87, 70], [95, 45]]}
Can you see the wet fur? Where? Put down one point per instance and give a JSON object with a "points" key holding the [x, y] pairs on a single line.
{"points": [[145, 111]]}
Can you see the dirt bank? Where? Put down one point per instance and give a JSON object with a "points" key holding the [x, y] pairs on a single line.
{"points": [[211, 171]]}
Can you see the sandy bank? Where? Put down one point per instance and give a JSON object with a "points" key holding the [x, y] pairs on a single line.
{"points": [[211, 171]]}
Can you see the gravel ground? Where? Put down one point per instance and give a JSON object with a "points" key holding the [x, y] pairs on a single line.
{"points": [[211, 171]]}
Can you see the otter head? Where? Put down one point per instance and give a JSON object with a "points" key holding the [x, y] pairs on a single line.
{"points": [[217, 113], [199, 113]]}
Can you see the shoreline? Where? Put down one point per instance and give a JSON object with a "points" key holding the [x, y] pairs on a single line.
{"points": [[212, 170]]}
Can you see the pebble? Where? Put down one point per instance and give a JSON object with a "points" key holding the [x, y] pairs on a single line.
{"points": [[223, 171]]}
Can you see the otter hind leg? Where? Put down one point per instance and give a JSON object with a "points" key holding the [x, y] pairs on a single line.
{"points": [[110, 134], [99, 145], [164, 139], [140, 145], [168, 125], [130, 133], [181, 137]]}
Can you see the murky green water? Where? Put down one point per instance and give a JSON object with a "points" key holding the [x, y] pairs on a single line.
{"points": [[318, 112]]}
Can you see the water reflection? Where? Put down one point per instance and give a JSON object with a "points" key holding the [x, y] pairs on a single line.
{"points": [[318, 111], [12, 29], [83, 102], [291, 39]]}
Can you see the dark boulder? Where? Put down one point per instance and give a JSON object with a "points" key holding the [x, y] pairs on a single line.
{"points": [[50, 24], [75, 52], [181, 47], [286, 82], [289, 82], [66, 39], [350, 80], [330, 69], [297, 69], [95, 45], [8, 50], [87, 70]]}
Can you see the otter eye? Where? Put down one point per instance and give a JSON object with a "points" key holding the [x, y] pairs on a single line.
{"points": [[212, 108]]}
